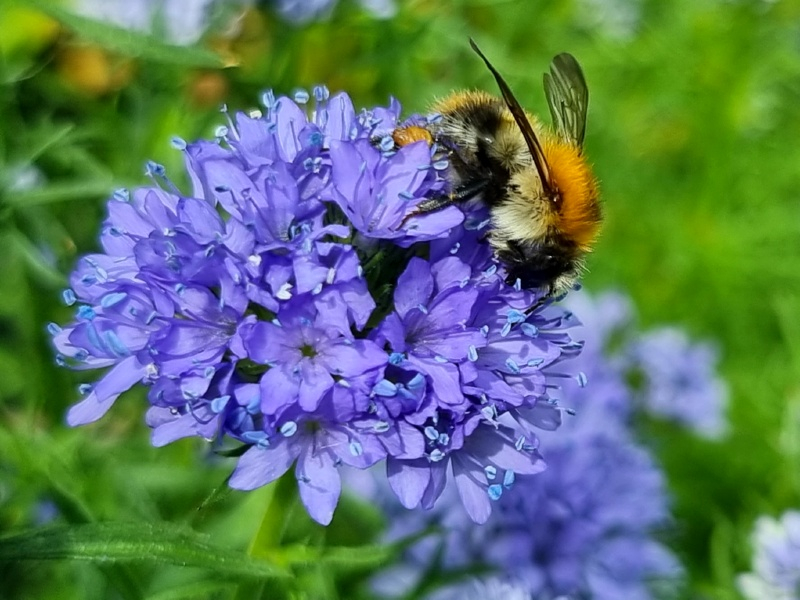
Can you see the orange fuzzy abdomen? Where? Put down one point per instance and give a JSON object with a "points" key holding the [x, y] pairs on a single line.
{"points": [[578, 216]]}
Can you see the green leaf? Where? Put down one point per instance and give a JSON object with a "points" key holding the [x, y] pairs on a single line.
{"points": [[191, 591], [53, 134], [217, 497], [340, 557], [357, 557], [61, 192], [156, 543], [22, 248], [130, 43]]}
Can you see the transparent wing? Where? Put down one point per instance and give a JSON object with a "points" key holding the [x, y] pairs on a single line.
{"points": [[568, 97]]}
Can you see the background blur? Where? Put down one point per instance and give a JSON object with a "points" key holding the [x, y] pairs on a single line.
{"points": [[693, 129]]}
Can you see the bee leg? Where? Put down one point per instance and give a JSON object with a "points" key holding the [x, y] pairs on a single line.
{"points": [[403, 136], [461, 193], [537, 304]]}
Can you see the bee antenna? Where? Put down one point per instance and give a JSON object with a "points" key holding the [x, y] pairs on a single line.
{"points": [[534, 147]]}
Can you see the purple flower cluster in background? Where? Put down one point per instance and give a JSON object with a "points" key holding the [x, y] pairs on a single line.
{"points": [[185, 22], [671, 376], [180, 22], [587, 526], [305, 11], [285, 304], [679, 380], [490, 589], [776, 560]]}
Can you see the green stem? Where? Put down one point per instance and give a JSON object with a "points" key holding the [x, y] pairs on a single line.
{"points": [[276, 518], [269, 536]]}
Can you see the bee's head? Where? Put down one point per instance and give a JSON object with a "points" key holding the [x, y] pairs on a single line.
{"points": [[553, 264]]}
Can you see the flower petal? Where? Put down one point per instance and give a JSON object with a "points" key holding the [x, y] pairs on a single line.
{"points": [[119, 379], [267, 343], [314, 382], [352, 358], [279, 389], [408, 479], [175, 429], [436, 484], [260, 466], [473, 495], [319, 483], [414, 287]]}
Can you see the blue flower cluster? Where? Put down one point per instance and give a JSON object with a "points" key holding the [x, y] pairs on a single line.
{"points": [[776, 560], [286, 303], [477, 589], [585, 528], [670, 375], [181, 22], [680, 381], [305, 11]]}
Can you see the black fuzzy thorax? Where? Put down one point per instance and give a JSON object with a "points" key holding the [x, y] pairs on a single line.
{"points": [[467, 134]]}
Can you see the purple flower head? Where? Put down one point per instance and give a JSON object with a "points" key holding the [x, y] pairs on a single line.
{"points": [[489, 589], [285, 304], [486, 363], [583, 528], [680, 380], [306, 349], [776, 559], [669, 375], [303, 11], [180, 22]]}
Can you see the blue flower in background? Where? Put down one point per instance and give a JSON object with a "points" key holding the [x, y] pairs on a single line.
{"points": [[671, 376], [776, 560], [286, 305], [490, 589], [679, 380], [182, 22], [585, 527], [304, 11]]}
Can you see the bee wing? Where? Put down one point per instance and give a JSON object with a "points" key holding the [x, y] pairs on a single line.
{"points": [[524, 124], [568, 97]]}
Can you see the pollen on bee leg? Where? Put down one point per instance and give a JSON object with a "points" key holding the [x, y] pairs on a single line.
{"points": [[403, 136]]}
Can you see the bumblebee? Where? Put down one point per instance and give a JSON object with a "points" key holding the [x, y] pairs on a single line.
{"points": [[541, 193]]}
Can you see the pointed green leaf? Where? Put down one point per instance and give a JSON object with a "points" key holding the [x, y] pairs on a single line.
{"points": [[357, 557], [158, 543], [61, 192], [340, 557], [193, 590]]}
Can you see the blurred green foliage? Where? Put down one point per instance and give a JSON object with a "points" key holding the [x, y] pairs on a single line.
{"points": [[693, 129]]}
